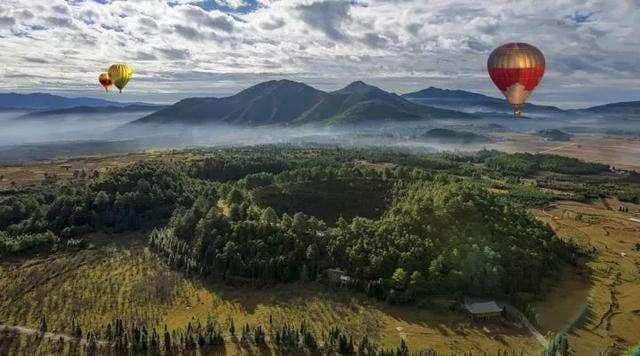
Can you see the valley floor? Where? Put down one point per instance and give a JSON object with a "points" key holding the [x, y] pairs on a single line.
{"points": [[617, 151]]}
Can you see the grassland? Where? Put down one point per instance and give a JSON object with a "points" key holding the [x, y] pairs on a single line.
{"points": [[34, 173], [597, 304]]}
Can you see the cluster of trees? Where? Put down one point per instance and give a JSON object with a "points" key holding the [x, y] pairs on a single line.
{"points": [[525, 164], [440, 236], [231, 166], [630, 194], [143, 194]]}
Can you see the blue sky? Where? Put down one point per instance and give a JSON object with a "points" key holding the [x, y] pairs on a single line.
{"points": [[182, 48]]}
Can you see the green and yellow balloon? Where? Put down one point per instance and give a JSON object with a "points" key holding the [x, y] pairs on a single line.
{"points": [[120, 75]]}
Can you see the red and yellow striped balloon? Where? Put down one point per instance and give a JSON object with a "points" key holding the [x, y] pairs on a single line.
{"points": [[516, 69], [105, 81]]}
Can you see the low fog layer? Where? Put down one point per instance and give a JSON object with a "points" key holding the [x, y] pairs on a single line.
{"points": [[18, 130], [23, 139]]}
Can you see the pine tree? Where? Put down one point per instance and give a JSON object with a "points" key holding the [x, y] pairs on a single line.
{"points": [[167, 339], [109, 332], [43, 325]]}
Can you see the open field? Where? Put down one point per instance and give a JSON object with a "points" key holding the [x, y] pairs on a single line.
{"points": [[598, 305], [617, 151], [31, 174]]}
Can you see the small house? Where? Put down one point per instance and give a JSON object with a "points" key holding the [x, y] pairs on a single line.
{"points": [[484, 310]]}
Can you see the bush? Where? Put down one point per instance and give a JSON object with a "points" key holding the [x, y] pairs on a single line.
{"points": [[28, 243]]}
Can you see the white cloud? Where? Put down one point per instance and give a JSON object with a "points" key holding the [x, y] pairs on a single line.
{"points": [[401, 44]]}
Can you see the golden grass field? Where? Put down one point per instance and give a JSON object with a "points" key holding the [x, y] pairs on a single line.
{"points": [[598, 304], [30, 174]]}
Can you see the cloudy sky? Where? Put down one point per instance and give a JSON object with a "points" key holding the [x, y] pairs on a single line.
{"points": [[181, 48]]}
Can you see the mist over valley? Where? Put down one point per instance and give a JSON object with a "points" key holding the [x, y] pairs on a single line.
{"points": [[286, 112]]}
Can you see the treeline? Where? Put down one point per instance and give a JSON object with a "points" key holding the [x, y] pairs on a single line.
{"points": [[138, 338]]}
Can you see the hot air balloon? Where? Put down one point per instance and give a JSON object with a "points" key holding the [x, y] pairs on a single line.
{"points": [[105, 81], [516, 69], [120, 75]]}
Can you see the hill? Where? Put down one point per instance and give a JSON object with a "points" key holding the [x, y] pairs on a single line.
{"points": [[89, 110], [554, 135], [630, 108], [43, 101], [453, 136], [289, 102], [471, 102], [479, 127]]}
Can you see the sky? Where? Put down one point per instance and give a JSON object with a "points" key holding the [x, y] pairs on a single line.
{"points": [[184, 48]]}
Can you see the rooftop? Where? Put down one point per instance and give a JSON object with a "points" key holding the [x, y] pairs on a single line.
{"points": [[483, 308]]}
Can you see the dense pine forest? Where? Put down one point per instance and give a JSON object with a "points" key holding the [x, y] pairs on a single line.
{"points": [[400, 225]]}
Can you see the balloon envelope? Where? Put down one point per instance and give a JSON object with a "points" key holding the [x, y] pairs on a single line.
{"points": [[120, 75], [105, 81], [516, 69]]}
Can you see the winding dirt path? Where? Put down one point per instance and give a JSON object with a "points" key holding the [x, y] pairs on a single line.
{"points": [[536, 334]]}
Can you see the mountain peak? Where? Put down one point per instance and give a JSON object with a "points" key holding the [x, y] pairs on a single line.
{"points": [[358, 87], [434, 92], [275, 86]]}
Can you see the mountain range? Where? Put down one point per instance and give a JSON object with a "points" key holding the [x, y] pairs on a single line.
{"points": [[285, 102], [90, 110], [288, 102], [472, 102], [44, 101]]}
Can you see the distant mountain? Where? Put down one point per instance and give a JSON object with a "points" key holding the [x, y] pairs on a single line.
{"points": [[472, 102], [442, 135], [90, 110], [43, 101], [289, 102], [629, 108], [359, 102]]}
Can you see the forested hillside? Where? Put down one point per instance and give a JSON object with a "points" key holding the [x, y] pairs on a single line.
{"points": [[277, 215]]}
